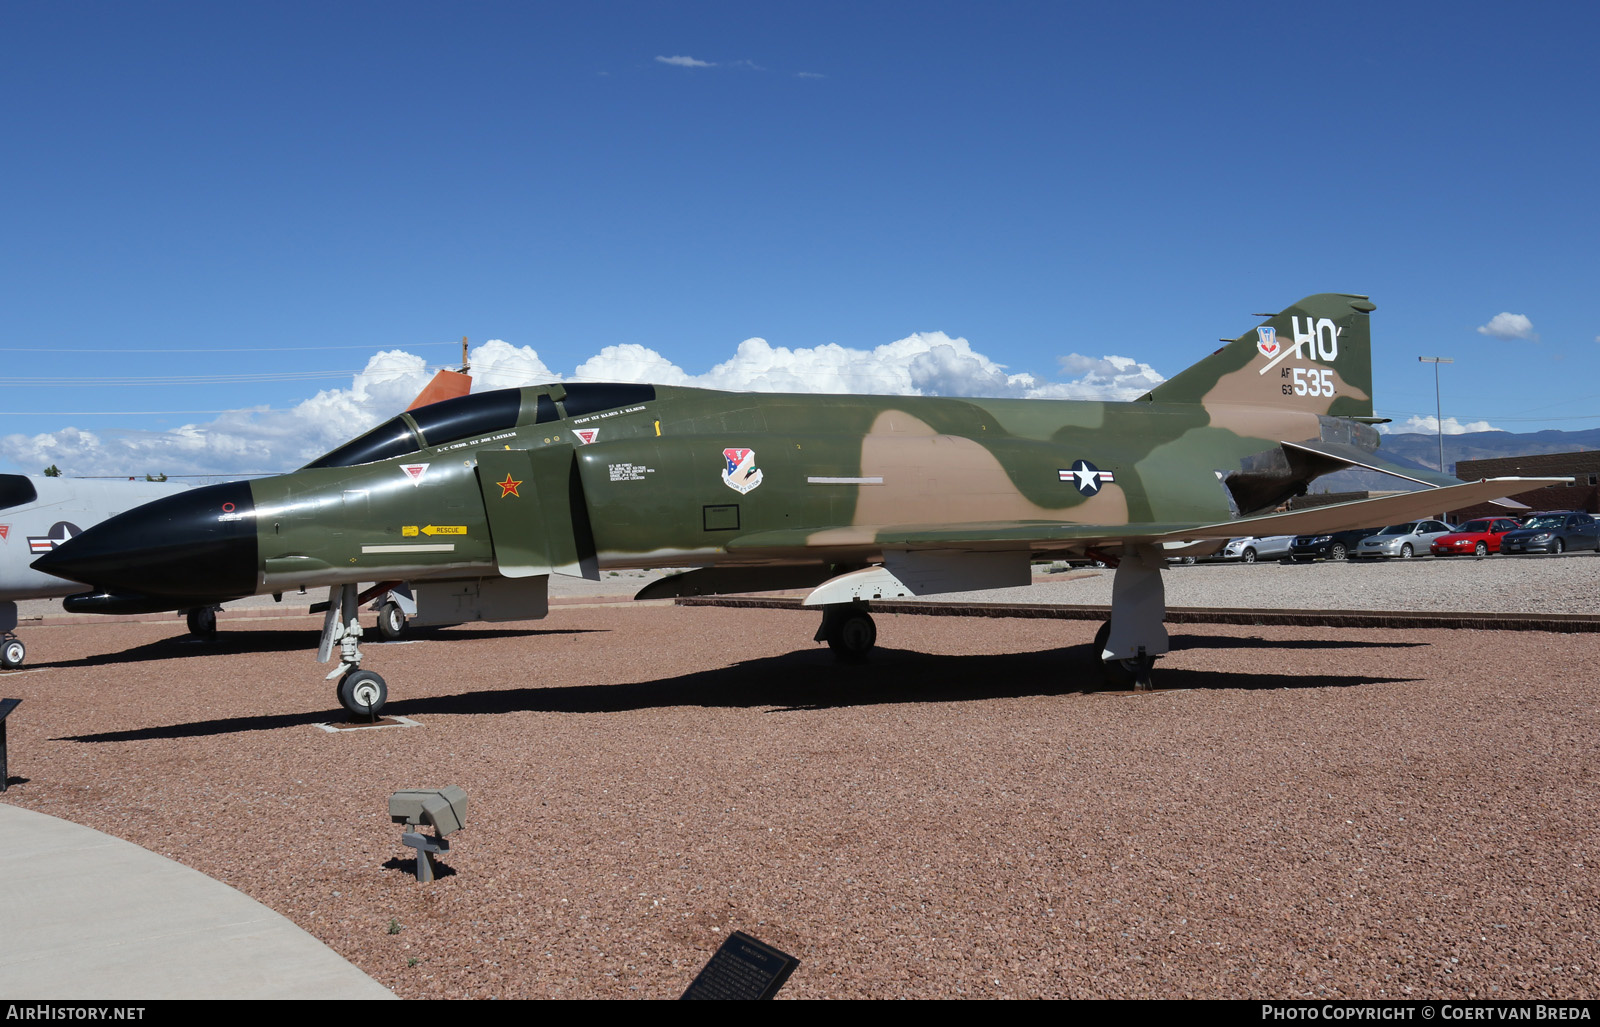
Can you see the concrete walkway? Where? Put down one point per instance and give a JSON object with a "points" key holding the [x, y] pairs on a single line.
{"points": [[84, 915]]}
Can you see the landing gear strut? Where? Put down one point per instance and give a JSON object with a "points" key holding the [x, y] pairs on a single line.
{"points": [[1126, 646], [849, 631], [361, 692]]}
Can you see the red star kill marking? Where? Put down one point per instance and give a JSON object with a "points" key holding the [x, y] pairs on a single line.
{"points": [[509, 487]]}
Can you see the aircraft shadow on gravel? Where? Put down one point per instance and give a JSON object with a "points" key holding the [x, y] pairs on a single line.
{"points": [[1182, 642], [244, 643], [803, 680]]}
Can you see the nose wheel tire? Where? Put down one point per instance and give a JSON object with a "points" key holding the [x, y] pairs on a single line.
{"points": [[363, 693], [13, 653], [391, 622]]}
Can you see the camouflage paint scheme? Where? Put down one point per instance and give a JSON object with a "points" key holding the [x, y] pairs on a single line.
{"points": [[943, 470], [858, 497]]}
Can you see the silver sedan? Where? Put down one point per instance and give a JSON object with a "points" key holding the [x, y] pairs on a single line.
{"points": [[1402, 540]]}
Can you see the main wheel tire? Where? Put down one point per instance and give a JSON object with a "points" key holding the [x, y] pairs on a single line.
{"points": [[391, 622], [851, 635], [1337, 551], [1481, 549], [13, 653], [1248, 556], [1557, 546], [1101, 637], [362, 693], [1406, 552], [1124, 674], [202, 621]]}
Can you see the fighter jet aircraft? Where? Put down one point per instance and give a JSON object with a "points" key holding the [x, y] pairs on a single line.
{"points": [[37, 514], [478, 499]]}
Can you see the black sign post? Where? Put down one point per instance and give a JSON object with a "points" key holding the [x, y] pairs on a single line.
{"points": [[742, 969], [6, 706]]}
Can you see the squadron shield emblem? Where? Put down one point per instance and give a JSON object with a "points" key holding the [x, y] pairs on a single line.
{"points": [[1267, 341], [741, 474]]}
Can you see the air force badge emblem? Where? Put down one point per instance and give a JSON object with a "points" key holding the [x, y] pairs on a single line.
{"points": [[741, 474], [1267, 341]]}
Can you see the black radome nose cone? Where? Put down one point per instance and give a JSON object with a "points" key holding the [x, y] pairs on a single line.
{"points": [[199, 544]]}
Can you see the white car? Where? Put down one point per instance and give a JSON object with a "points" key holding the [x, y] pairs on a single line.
{"points": [[1251, 549], [1412, 538]]}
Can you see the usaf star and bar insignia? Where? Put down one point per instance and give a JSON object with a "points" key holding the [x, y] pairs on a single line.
{"points": [[1086, 477]]}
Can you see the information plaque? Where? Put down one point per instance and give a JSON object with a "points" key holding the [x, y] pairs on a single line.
{"points": [[742, 969]]}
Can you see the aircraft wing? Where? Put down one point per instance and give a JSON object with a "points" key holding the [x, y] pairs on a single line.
{"points": [[1010, 535]]}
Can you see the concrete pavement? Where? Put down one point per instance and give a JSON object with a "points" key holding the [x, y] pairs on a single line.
{"points": [[84, 915]]}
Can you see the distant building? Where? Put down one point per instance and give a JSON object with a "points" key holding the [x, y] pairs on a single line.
{"points": [[1582, 494]]}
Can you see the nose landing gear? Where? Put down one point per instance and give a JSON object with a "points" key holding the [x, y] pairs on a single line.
{"points": [[361, 692]]}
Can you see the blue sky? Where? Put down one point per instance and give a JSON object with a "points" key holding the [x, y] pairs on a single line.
{"points": [[218, 193]]}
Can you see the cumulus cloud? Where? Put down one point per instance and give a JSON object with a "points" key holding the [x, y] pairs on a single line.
{"points": [[1507, 325], [266, 440], [686, 62], [1430, 426]]}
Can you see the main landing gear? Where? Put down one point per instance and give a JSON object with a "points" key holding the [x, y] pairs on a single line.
{"points": [[849, 631], [1126, 646], [1132, 673], [202, 621]]}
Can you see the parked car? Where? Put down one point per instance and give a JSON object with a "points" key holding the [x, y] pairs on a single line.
{"points": [[1335, 546], [1403, 540], [1552, 531], [1479, 538], [1250, 549]]}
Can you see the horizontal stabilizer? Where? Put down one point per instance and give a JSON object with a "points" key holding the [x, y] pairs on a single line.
{"points": [[1354, 456], [1365, 513]]}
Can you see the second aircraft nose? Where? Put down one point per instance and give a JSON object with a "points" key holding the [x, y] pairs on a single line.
{"points": [[195, 545]]}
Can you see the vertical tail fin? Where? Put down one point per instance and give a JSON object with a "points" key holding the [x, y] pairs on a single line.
{"points": [[1315, 355]]}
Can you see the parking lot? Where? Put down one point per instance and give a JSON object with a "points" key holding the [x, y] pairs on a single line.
{"points": [[1298, 812]]}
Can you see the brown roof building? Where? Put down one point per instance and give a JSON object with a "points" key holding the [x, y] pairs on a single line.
{"points": [[1582, 494]]}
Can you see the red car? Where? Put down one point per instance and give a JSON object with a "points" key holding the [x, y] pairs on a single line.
{"points": [[1479, 538]]}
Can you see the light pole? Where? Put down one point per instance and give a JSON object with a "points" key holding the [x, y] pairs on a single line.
{"points": [[1438, 411]]}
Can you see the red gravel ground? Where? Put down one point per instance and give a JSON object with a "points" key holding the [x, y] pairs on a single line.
{"points": [[1301, 812]]}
